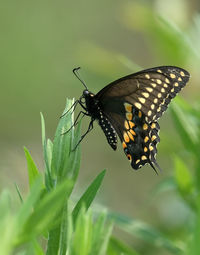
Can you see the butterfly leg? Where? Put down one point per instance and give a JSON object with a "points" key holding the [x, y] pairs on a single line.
{"points": [[76, 121], [90, 127], [73, 106]]}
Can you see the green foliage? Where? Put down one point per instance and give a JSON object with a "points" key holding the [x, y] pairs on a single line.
{"points": [[45, 223]]}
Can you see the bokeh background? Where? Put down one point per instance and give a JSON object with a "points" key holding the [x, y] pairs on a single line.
{"points": [[42, 41]]}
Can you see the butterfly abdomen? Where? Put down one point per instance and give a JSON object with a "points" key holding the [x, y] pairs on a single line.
{"points": [[108, 130]]}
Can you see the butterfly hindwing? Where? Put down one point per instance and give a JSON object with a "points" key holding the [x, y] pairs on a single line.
{"points": [[139, 138]]}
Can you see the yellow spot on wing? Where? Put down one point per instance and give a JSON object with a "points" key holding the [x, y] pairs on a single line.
{"points": [[129, 116], [179, 79], [143, 157], [147, 76], [145, 149], [154, 85], [182, 73], [132, 131], [159, 81], [126, 125], [145, 94], [153, 138], [142, 100], [139, 114], [130, 135], [131, 124], [146, 139], [126, 138], [167, 80], [159, 95], [176, 84], [145, 126], [155, 100], [159, 71], [137, 161], [138, 105], [153, 125], [151, 148], [163, 90], [149, 89], [173, 76], [128, 107]]}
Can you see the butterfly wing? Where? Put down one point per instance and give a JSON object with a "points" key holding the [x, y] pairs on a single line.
{"points": [[133, 105]]}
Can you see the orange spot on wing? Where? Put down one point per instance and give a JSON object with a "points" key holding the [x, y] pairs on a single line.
{"points": [[124, 145], [132, 131], [131, 124], [126, 138], [130, 135]]}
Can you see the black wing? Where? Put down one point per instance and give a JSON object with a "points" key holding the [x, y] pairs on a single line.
{"points": [[133, 105]]}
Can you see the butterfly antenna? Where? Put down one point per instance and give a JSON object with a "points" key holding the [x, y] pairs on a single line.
{"points": [[76, 73]]}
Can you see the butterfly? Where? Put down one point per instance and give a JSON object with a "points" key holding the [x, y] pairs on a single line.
{"points": [[130, 108]]}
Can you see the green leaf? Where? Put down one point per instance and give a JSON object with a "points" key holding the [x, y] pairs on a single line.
{"points": [[185, 127], [8, 228], [28, 205], [46, 211], [62, 145], [144, 231], [88, 195], [34, 248], [193, 244], [66, 232], [47, 158], [82, 240], [102, 230], [19, 193], [33, 172], [183, 176], [117, 247]]}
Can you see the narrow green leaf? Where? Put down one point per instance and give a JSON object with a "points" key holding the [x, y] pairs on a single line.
{"points": [[66, 232], [82, 240], [49, 150], [44, 215], [183, 176], [88, 195], [28, 205], [144, 231], [185, 128], [102, 230], [62, 145], [117, 247], [48, 179], [33, 172], [34, 248], [193, 244], [74, 159], [18, 192]]}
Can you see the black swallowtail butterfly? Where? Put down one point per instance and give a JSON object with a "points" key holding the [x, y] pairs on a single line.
{"points": [[130, 108]]}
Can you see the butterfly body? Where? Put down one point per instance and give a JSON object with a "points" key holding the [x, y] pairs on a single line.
{"points": [[130, 108]]}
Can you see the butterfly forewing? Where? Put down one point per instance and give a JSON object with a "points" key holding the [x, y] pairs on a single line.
{"points": [[133, 105], [150, 90]]}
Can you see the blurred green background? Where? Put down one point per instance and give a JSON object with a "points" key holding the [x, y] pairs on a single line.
{"points": [[42, 41]]}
